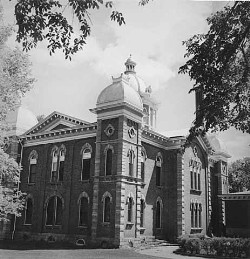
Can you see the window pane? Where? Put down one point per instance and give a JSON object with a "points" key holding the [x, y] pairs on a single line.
{"points": [[199, 218], [83, 220], [107, 209], [130, 209], [32, 173], [158, 214], [192, 181], [192, 216], [142, 213], [195, 181], [158, 176], [142, 171], [196, 217], [28, 212], [50, 211], [199, 181], [85, 169], [61, 170], [58, 220], [109, 162]]}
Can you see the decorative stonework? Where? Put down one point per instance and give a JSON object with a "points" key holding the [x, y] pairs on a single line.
{"points": [[132, 132], [109, 131]]}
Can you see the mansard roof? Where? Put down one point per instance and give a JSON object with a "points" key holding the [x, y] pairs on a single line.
{"points": [[54, 121]]}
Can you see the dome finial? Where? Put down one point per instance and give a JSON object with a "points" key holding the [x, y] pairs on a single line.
{"points": [[130, 65]]}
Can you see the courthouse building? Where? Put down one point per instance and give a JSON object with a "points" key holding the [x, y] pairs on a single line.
{"points": [[118, 180]]}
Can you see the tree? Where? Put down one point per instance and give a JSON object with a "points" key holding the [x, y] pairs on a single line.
{"points": [[219, 66], [15, 81], [46, 20], [239, 175]]}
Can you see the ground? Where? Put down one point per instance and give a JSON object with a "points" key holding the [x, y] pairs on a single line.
{"points": [[151, 253]]}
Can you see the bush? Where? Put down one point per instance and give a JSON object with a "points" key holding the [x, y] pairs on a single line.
{"points": [[216, 246]]}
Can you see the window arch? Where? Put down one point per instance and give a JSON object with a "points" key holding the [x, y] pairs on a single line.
{"points": [[83, 203], [143, 160], [33, 156], [28, 210], [62, 153], [106, 200], [131, 158], [86, 153], [158, 168], [54, 211], [109, 150], [158, 214]]}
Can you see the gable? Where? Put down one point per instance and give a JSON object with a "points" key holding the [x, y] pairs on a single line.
{"points": [[55, 121]]}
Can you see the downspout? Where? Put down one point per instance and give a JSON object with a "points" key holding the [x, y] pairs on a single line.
{"points": [[18, 185]]}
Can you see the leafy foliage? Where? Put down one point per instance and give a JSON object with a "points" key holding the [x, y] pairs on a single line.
{"points": [[219, 66], [45, 20], [15, 81], [239, 175]]}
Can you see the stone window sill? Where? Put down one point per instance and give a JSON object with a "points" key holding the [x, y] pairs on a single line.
{"points": [[27, 225], [130, 223], [196, 192], [106, 224], [84, 181], [83, 227], [31, 184], [53, 227], [196, 230]]}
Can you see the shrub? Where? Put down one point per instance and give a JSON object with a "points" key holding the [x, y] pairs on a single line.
{"points": [[216, 246]]}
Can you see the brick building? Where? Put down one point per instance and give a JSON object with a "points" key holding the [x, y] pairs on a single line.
{"points": [[118, 180]]}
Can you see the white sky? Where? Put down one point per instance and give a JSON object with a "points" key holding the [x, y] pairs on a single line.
{"points": [[153, 34]]}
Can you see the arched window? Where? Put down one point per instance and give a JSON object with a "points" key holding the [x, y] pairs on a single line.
{"points": [[158, 214], [143, 160], [158, 166], [28, 212], [54, 211], [54, 165], [131, 157], [196, 214], [130, 209], [106, 200], [86, 159], [83, 211], [108, 164], [61, 164], [32, 166], [142, 207]]}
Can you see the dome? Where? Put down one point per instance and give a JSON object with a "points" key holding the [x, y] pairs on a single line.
{"points": [[134, 81], [137, 83], [20, 120], [119, 92]]}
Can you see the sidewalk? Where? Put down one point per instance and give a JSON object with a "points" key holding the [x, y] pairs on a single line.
{"points": [[165, 252]]}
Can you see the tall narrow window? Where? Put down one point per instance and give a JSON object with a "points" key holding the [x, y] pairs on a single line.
{"points": [[28, 212], [158, 170], [106, 209], [86, 158], [54, 211], [32, 166], [158, 214], [130, 209], [192, 180], [196, 216], [109, 159], [143, 160], [61, 165], [192, 215], [142, 205], [32, 173], [54, 166], [131, 162], [83, 211], [199, 215]]}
